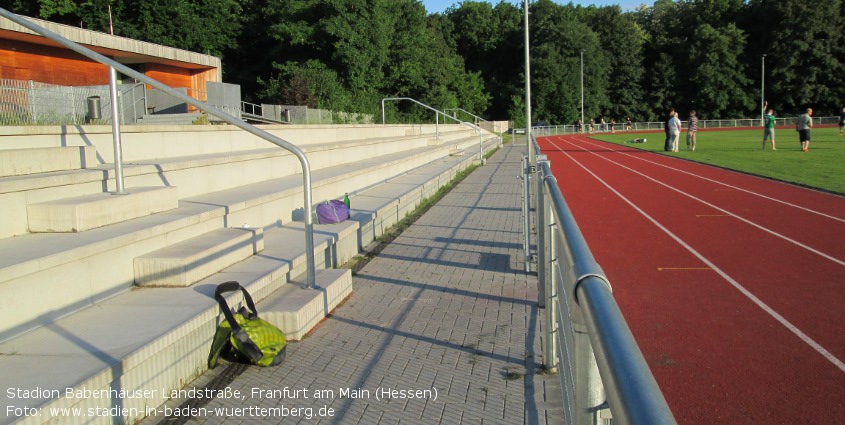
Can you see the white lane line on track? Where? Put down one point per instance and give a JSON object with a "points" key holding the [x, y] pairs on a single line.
{"points": [[804, 337], [747, 221], [730, 186]]}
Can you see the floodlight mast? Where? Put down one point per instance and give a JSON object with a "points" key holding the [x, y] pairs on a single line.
{"points": [[763, 91], [582, 90], [532, 156]]}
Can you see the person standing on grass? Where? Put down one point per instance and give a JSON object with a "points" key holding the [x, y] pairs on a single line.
{"points": [[803, 125], [692, 130], [769, 128], [628, 123], [841, 121], [667, 146], [674, 131]]}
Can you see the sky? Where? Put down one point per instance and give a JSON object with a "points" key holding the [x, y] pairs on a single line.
{"points": [[432, 6]]}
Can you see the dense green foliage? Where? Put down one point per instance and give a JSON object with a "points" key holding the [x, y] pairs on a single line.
{"points": [[349, 54]]}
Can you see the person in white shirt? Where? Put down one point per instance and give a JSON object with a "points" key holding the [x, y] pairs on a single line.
{"points": [[675, 131]]}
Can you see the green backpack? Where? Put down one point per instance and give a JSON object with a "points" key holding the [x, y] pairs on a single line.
{"points": [[261, 342]]}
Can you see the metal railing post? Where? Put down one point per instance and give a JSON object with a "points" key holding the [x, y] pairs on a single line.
{"points": [[589, 391], [545, 272], [542, 288], [526, 206], [115, 131], [436, 125]]}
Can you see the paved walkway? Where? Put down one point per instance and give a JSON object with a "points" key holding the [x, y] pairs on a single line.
{"points": [[444, 317]]}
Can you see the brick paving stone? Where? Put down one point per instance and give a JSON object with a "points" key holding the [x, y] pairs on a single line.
{"points": [[446, 305]]}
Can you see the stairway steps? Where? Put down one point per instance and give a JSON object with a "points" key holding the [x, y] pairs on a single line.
{"points": [[190, 261], [17, 162], [87, 212]]}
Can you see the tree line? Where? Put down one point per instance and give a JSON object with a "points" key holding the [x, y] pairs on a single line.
{"points": [[347, 55]]}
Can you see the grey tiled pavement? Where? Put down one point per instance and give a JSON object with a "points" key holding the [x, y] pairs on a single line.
{"points": [[445, 308]]}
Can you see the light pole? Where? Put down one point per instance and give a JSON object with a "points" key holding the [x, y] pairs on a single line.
{"points": [[763, 90], [582, 92], [531, 154]]}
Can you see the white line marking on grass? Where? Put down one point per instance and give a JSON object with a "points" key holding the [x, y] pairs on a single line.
{"points": [[731, 186], [782, 320], [765, 229]]}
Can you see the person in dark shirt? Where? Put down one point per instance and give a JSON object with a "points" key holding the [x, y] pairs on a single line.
{"points": [[842, 121]]}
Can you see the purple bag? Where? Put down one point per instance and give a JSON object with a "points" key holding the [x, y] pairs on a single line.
{"points": [[332, 212]]}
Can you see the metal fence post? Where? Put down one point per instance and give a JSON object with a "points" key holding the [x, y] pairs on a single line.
{"points": [[545, 266], [526, 206], [115, 131], [542, 240], [589, 391]]}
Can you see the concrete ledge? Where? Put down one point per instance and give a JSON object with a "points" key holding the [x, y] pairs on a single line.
{"points": [[344, 237], [17, 162], [296, 310], [187, 262], [101, 209]]}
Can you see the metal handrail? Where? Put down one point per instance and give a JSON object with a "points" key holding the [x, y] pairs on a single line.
{"points": [[252, 106], [477, 118], [303, 160], [575, 284], [437, 112], [437, 122], [135, 101]]}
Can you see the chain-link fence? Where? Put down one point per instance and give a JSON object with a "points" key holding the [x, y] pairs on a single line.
{"points": [[552, 130], [33, 103], [306, 115]]}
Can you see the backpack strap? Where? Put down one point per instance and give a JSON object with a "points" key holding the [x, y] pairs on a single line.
{"points": [[248, 346]]}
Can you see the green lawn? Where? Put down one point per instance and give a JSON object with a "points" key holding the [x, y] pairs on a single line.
{"points": [[822, 167]]}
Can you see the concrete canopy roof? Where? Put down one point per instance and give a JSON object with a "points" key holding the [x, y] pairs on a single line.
{"points": [[122, 49]]}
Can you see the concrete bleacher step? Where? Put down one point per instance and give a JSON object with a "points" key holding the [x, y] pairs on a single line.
{"points": [[109, 251], [156, 339], [17, 162], [82, 213], [45, 260], [296, 310], [190, 261], [204, 172]]}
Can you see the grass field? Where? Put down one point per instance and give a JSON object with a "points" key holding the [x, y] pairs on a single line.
{"points": [[823, 167]]}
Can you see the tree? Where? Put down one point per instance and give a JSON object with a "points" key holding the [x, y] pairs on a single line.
{"points": [[622, 40], [205, 26], [718, 82], [804, 57], [490, 41]]}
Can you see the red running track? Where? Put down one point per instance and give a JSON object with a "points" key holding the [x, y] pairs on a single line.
{"points": [[733, 285]]}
